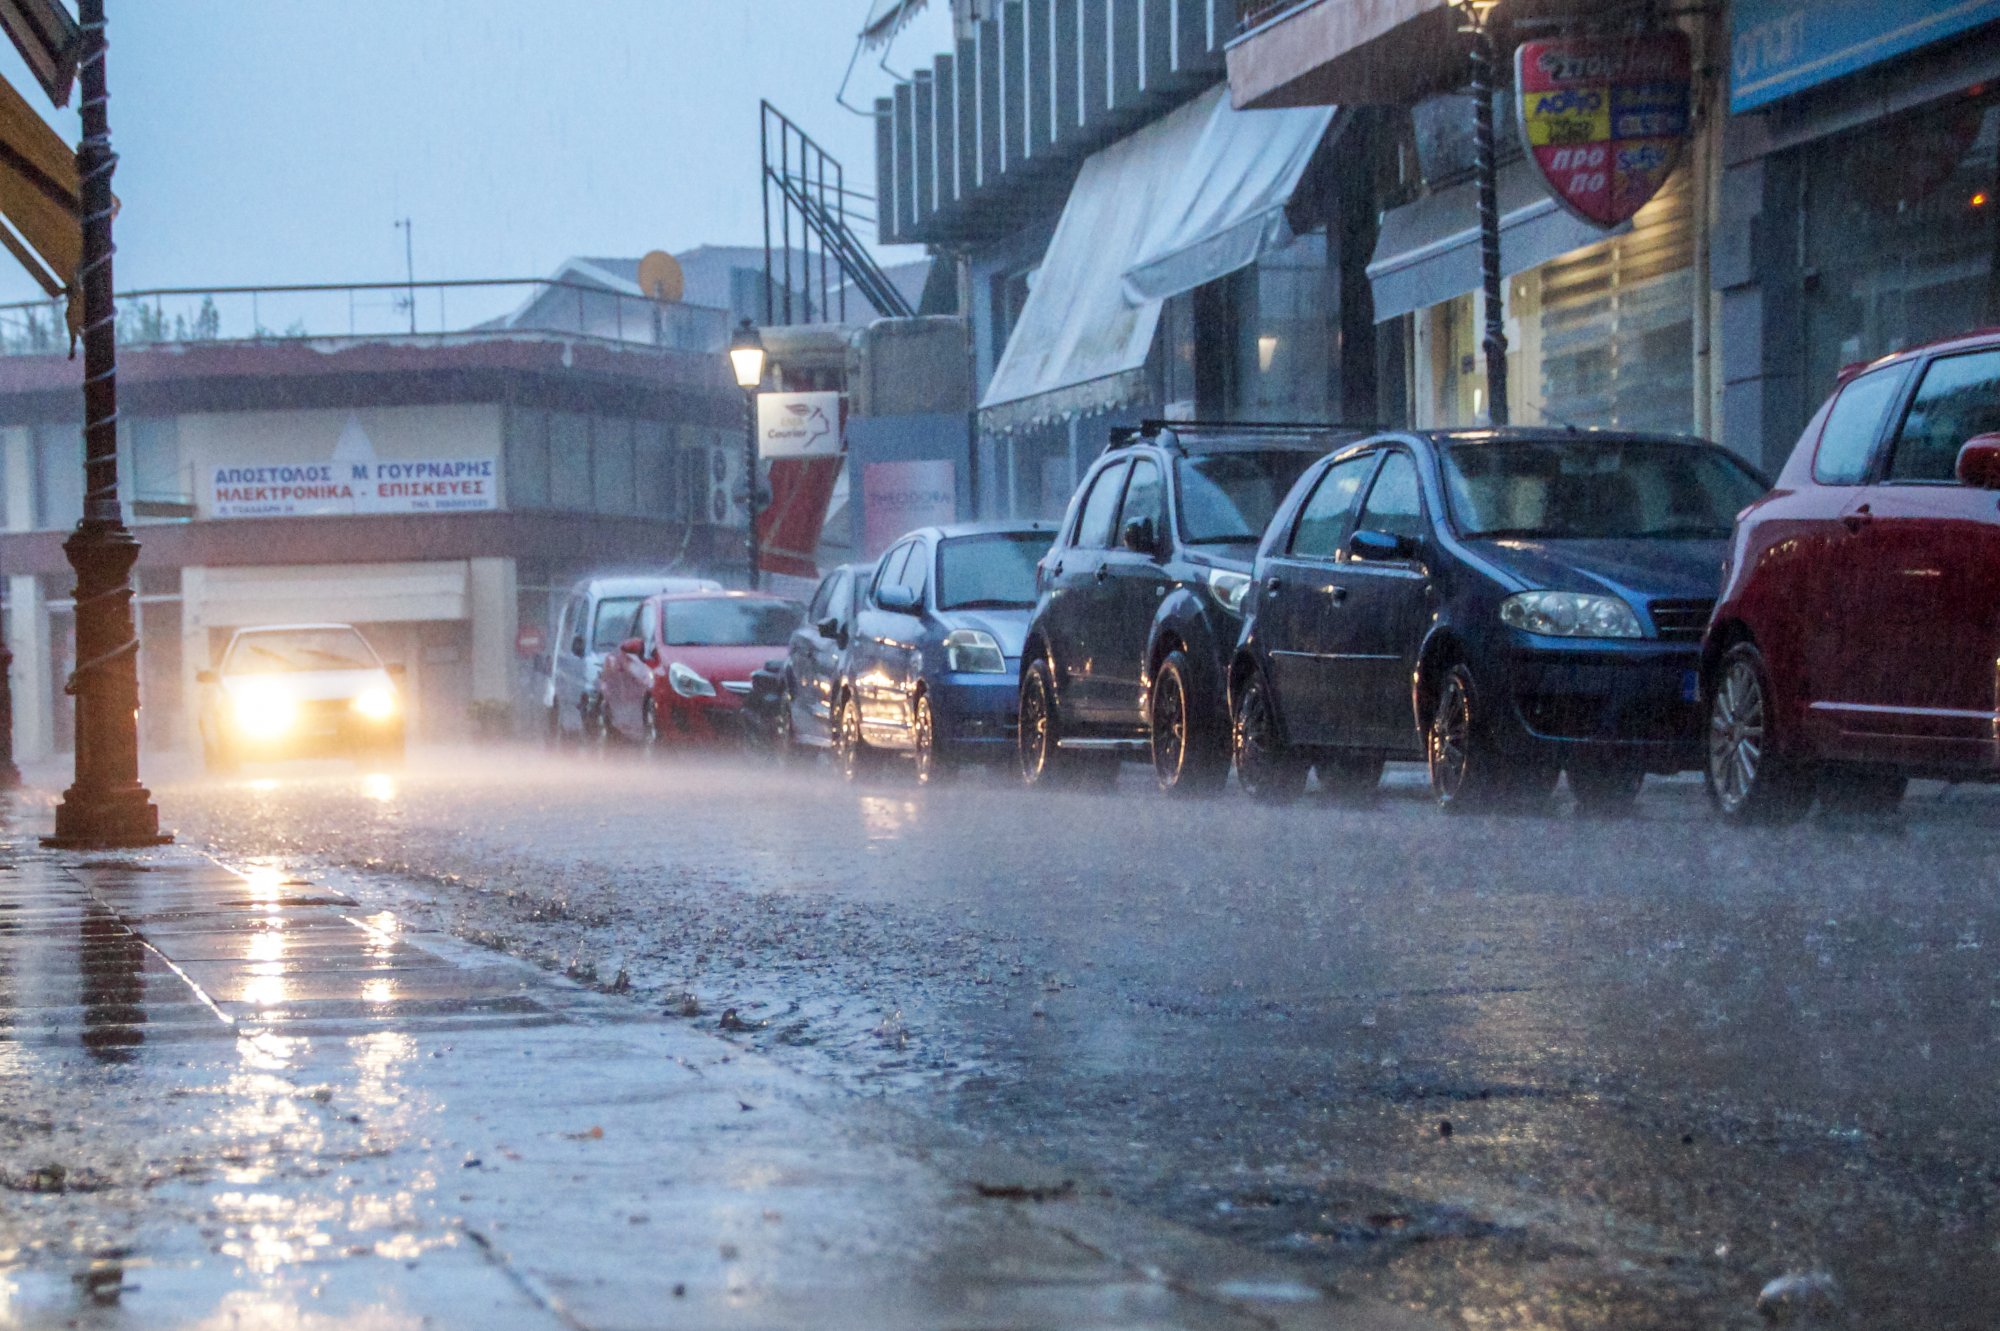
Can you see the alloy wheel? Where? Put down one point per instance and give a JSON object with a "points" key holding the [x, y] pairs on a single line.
{"points": [[931, 766], [1170, 729], [1736, 727], [1038, 739], [1450, 739], [848, 741], [1264, 764]]}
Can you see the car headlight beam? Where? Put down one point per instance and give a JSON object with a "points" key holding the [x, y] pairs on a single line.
{"points": [[1570, 615], [971, 652], [376, 704], [264, 711]]}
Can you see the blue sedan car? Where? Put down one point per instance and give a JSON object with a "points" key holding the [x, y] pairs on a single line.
{"points": [[933, 663], [1505, 605]]}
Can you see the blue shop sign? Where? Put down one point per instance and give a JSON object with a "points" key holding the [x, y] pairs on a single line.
{"points": [[1785, 46]]}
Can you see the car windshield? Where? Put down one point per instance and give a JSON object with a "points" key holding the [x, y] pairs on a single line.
{"points": [[292, 650], [1230, 497], [614, 622], [996, 570], [1596, 489], [734, 622]]}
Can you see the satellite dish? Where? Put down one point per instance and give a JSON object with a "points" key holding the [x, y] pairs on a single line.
{"points": [[660, 277]]}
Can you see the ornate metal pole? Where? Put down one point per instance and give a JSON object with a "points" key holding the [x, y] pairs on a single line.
{"points": [[1478, 17], [750, 477], [106, 806]]}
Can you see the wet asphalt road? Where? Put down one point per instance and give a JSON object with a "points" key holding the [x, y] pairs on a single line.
{"points": [[1525, 1071]]}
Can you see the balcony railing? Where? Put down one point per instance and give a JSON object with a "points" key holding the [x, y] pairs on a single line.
{"points": [[1252, 13], [416, 312]]}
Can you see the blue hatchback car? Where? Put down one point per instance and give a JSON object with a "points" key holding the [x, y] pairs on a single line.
{"points": [[933, 662], [1506, 605]]}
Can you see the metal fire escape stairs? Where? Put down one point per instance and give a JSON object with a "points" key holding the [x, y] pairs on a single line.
{"points": [[806, 196]]}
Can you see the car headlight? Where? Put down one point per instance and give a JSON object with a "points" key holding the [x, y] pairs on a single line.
{"points": [[1570, 615], [688, 682], [264, 711], [376, 704], [1230, 589], [970, 652]]}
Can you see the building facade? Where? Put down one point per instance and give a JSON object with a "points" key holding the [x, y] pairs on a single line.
{"points": [[434, 489]]}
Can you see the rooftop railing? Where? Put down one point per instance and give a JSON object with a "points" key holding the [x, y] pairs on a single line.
{"points": [[1251, 13], [413, 312]]}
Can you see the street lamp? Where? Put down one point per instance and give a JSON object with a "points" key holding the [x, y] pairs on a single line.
{"points": [[1475, 18], [746, 358]]}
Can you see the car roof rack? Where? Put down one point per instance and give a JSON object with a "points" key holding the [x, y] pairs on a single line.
{"points": [[1147, 431]]}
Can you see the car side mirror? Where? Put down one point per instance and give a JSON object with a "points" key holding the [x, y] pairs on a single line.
{"points": [[1380, 547], [828, 627], [206, 677], [633, 647], [897, 598], [1140, 535], [1979, 462], [576, 645]]}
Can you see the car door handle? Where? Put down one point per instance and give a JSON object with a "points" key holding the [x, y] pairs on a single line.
{"points": [[1859, 518], [1339, 595], [1274, 585], [1055, 569], [1102, 573]]}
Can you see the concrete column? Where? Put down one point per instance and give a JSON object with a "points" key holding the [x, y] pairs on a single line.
{"points": [[194, 647], [493, 602]]}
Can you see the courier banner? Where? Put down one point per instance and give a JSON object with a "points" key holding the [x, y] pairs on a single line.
{"points": [[344, 489]]}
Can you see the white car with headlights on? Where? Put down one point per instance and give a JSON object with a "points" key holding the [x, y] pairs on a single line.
{"points": [[299, 691]]}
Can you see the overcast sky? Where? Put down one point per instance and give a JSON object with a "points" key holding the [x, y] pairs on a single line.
{"points": [[267, 141]]}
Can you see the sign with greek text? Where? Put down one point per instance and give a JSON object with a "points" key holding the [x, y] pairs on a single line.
{"points": [[897, 497], [1605, 118], [348, 487]]}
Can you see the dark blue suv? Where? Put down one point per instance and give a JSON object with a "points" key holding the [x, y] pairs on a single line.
{"points": [[1506, 605]]}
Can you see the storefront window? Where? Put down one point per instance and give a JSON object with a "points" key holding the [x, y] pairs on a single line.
{"points": [[1900, 232], [1276, 313]]}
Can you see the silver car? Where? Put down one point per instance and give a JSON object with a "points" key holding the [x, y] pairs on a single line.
{"points": [[591, 621]]}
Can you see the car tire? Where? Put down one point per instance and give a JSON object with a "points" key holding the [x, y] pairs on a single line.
{"points": [[1845, 794], [853, 755], [785, 749], [934, 762], [1269, 770], [1604, 787], [1189, 756], [1349, 777], [1043, 762], [1467, 772], [649, 730], [1747, 782]]}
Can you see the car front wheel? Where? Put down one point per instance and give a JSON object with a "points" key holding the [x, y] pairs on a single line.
{"points": [[856, 758], [1468, 773], [934, 764], [1266, 767], [1189, 757], [1748, 780]]}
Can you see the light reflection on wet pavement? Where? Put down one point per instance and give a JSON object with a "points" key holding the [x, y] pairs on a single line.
{"points": [[1675, 1061]]}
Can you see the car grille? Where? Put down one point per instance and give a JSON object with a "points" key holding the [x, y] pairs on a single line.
{"points": [[1680, 621]]}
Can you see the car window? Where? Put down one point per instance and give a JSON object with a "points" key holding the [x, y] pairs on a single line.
{"points": [[572, 632], [1094, 524], [614, 622], [735, 621], [889, 573], [1145, 497], [1847, 443], [977, 572], [822, 597], [1394, 504], [839, 605], [1228, 498], [1323, 519], [284, 651], [1958, 398], [1590, 487], [916, 574]]}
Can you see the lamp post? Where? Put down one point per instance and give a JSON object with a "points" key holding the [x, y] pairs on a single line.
{"points": [[106, 806], [746, 358], [1476, 20]]}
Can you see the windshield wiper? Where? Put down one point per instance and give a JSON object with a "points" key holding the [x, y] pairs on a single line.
{"points": [[1687, 531], [1512, 534], [989, 603], [1245, 538]]}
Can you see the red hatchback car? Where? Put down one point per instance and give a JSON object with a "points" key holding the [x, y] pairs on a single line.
{"points": [[1857, 641], [684, 672]]}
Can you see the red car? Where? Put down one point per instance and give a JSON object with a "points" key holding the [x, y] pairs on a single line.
{"points": [[684, 672], [1857, 641]]}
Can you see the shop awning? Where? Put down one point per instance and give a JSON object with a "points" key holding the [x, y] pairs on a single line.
{"points": [[1077, 329], [1228, 207], [1428, 251]]}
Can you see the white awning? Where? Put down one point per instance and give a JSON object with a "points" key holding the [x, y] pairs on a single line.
{"points": [[1229, 208], [1077, 327], [1428, 251]]}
